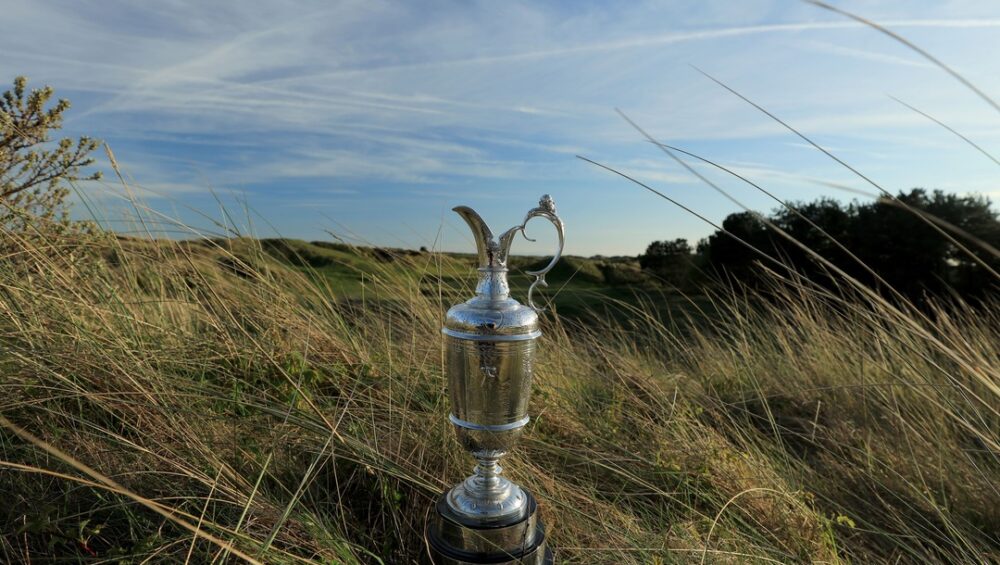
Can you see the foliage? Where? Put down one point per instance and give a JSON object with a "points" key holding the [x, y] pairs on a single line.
{"points": [[886, 236], [622, 273], [33, 171], [671, 261], [566, 269]]}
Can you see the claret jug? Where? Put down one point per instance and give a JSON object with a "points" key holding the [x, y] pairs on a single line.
{"points": [[490, 344]]}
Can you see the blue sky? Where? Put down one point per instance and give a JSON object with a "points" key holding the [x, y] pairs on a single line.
{"points": [[372, 119]]}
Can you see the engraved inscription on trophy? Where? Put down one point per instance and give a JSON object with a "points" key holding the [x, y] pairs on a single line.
{"points": [[488, 360]]}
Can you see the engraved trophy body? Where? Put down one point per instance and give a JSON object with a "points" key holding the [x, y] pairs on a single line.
{"points": [[490, 342]]}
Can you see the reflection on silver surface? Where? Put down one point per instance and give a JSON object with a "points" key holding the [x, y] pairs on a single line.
{"points": [[489, 383], [521, 542]]}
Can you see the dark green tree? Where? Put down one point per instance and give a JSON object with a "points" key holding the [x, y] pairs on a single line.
{"points": [[721, 252], [668, 260], [915, 258], [34, 169], [887, 235]]}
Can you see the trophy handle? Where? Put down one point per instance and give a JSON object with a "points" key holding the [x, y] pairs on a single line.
{"points": [[546, 209]]}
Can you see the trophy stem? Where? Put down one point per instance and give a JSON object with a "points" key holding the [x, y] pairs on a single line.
{"points": [[487, 496], [487, 474]]}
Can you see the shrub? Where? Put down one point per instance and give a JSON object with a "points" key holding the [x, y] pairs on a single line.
{"points": [[33, 171]]}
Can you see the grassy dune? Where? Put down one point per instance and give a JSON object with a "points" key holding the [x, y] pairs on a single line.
{"points": [[238, 400]]}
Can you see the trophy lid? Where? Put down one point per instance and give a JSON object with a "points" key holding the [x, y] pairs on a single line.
{"points": [[492, 315]]}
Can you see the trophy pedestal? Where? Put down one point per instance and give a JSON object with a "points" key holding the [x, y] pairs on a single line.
{"points": [[457, 540]]}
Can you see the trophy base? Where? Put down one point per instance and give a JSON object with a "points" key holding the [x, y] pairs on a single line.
{"points": [[458, 540]]}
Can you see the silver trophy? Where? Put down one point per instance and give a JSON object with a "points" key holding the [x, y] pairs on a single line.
{"points": [[490, 359]]}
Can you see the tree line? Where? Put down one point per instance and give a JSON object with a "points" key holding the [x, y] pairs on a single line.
{"points": [[920, 243]]}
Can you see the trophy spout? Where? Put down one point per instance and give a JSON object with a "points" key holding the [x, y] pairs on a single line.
{"points": [[492, 258], [486, 246]]}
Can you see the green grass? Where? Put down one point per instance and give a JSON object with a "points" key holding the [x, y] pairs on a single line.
{"points": [[578, 288], [284, 402]]}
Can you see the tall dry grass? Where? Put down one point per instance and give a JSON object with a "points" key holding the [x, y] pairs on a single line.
{"points": [[166, 401], [199, 402]]}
